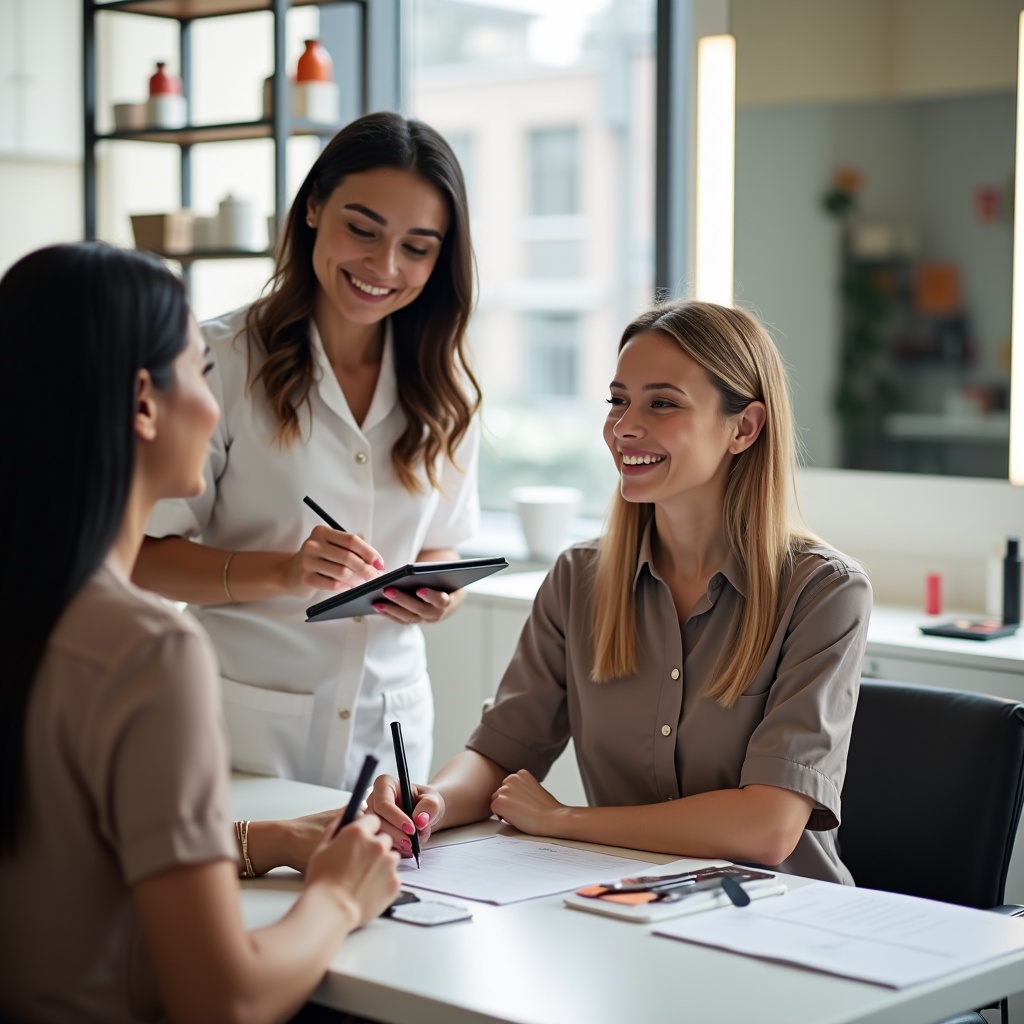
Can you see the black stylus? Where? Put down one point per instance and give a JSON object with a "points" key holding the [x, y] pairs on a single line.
{"points": [[325, 516], [358, 792], [406, 784]]}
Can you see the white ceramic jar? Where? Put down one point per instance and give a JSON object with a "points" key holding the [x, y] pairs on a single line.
{"points": [[237, 225]]}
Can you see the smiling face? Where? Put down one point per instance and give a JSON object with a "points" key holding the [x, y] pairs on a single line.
{"points": [[378, 238], [666, 429]]}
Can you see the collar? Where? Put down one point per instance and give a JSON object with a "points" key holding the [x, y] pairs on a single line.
{"points": [[731, 569], [385, 395]]}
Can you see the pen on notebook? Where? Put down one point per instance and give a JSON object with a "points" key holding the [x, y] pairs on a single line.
{"points": [[358, 792], [406, 784], [325, 516]]}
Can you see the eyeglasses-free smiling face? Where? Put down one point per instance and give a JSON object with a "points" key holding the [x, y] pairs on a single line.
{"points": [[378, 238], [665, 427]]}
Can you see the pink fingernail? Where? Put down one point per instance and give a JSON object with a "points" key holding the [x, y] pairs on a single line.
{"points": [[408, 828], [390, 592], [422, 819], [378, 563], [406, 844]]}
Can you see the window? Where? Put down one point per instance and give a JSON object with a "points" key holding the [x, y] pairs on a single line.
{"points": [[554, 171], [557, 100], [553, 346], [462, 147]]}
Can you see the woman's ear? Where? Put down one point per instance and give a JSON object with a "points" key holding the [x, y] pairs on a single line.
{"points": [[312, 213], [748, 427], [145, 407]]}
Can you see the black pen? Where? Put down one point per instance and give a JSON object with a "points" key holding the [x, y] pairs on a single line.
{"points": [[325, 516], [403, 780], [358, 792]]}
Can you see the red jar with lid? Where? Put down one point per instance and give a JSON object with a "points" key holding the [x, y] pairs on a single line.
{"points": [[163, 84]]}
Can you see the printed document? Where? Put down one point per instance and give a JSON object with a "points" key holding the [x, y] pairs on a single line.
{"points": [[504, 869], [880, 937]]}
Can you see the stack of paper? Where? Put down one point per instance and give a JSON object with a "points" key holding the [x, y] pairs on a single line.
{"points": [[880, 937]]}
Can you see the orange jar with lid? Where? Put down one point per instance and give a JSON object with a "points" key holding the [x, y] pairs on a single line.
{"points": [[315, 64]]}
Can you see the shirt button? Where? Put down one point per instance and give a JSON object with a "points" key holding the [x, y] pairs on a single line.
{"points": [[675, 673], [666, 730], [344, 713], [361, 457]]}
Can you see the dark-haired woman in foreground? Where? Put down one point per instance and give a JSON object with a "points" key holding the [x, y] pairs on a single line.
{"points": [[346, 382], [118, 865], [704, 654]]}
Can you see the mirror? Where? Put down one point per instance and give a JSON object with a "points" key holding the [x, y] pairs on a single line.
{"points": [[874, 207]]}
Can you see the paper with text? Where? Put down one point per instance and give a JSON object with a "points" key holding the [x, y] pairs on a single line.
{"points": [[880, 937], [503, 869]]}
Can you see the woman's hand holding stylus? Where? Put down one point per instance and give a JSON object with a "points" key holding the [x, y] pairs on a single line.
{"points": [[386, 802], [357, 868], [331, 560]]}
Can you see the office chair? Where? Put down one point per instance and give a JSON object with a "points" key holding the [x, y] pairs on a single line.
{"points": [[934, 776]]}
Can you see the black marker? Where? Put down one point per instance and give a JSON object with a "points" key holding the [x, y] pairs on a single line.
{"points": [[325, 516], [358, 792], [403, 780]]}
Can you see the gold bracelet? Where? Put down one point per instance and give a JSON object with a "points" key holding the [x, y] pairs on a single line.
{"points": [[224, 576], [242, 832]]}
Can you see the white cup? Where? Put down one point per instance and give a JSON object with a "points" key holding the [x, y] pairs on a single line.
{"points": [[546, 515]]}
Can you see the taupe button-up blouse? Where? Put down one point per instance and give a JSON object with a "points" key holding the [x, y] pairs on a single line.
{"points": [[656, 736]]}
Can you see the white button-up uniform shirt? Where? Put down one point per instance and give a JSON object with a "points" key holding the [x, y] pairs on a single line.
{"points": [[309, 700]]}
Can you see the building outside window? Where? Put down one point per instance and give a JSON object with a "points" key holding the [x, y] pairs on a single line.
{"points": [[554, 171], [553, 354], [554, 105]]}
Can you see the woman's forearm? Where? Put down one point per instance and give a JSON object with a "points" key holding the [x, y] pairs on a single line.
{"points": [[183, 570], [467, 783], [757, 824]]}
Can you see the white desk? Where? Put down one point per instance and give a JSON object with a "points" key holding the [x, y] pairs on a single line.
{"points": [[540, 963]]}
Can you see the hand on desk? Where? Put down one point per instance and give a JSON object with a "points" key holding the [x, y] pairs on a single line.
{"points": [[526, 805], [386, 802]]}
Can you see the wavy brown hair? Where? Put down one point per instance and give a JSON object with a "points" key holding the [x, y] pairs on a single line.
{"points": [[744, 365], [436, 387]]}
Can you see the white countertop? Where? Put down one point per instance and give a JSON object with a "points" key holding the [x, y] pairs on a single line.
{"points": [[893, 631]]}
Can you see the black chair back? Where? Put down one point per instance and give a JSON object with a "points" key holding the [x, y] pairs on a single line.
{"points": [[933, 792]]}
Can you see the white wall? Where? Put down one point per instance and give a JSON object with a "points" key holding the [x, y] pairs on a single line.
{"points": [[902, 527]]}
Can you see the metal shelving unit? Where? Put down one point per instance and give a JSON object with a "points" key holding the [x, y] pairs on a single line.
{"points": [[280, 126]]}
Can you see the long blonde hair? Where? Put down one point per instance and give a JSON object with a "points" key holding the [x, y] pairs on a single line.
{"points": [[742, 362]]}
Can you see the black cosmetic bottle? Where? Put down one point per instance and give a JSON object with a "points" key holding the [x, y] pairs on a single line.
{"points": [[1011, 582]]}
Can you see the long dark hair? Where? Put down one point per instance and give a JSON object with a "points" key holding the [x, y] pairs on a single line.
{"points": [[436, 387], [77, 323]]}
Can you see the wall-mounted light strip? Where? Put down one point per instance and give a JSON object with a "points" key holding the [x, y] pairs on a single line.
{"points": [[716, 158], [1017, 320]]}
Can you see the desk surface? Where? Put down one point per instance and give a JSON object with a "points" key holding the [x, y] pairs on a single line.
{"points": [[540, 963]]}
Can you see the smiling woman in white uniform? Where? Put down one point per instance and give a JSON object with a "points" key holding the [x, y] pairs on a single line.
{"points": [[348, 382]]}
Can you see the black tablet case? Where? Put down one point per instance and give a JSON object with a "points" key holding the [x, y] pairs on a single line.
{"points": [[446, 576]]}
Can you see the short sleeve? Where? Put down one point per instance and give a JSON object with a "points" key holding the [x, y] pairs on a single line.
{"points": [[187, 517], [803, 740], [166, 796], [457, 517], [528, 724]]}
